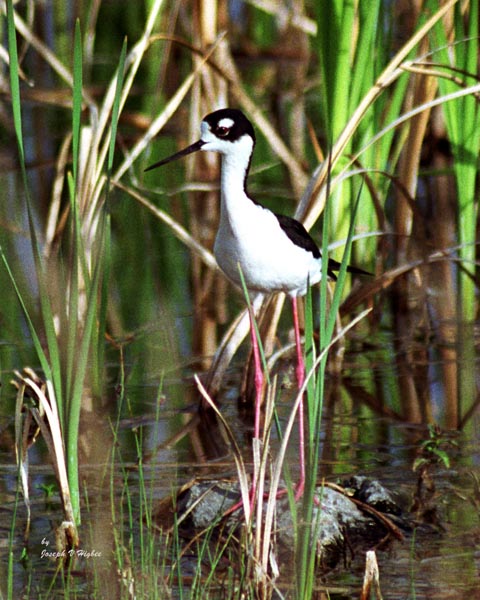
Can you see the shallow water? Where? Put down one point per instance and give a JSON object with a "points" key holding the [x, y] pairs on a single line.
{"points": [[437, 559]]}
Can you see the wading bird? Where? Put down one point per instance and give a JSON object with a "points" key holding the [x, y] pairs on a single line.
{"points": [[274, 253]]}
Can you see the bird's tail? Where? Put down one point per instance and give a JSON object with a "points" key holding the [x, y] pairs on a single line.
{"points": [[334, 265]]}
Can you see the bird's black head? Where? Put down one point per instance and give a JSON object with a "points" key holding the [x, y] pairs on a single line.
{"points": [[229, 124], [227, 131]]}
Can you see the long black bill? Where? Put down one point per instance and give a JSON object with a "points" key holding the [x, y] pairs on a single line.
{"points": [[193, 148]]}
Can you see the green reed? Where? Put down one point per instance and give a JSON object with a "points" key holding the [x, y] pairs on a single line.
{"points": [[316, 364], [352, 51], [72, 286], [349, 65], [50, 366]]}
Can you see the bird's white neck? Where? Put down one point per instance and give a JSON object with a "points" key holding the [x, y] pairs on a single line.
{"points": [[235, 167]]}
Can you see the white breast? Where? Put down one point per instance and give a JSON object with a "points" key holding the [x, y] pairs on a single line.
{"points": [[252, 238]]}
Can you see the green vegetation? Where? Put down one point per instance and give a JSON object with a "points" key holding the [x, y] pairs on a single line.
{"points": [[367, 126]]}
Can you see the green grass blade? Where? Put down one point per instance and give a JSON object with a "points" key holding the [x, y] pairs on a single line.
{"points": [[98, 339], [36, 340], [310, 347], [76, 242], [257, 332], [116, 107], [12, 538], [335, 20], [77, 99], [342, 274], [305, 555], [82, 361], [15, 86], [72, 301], [77, 210], [53, 372]]}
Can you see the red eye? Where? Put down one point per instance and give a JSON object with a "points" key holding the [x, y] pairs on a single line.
{"points": [[222, 131]]}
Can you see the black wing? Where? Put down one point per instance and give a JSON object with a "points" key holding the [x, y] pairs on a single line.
{"points": [[298, 234], [300, 237]]}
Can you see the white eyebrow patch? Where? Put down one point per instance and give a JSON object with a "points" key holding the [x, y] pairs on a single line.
{"points": [[228, 123]]}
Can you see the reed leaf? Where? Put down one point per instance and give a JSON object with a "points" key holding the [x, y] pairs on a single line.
{"points": [[116, 106], [77, 99], [305, 558], [52, 366]]}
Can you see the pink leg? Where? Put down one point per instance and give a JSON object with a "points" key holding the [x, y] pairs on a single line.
{"points": [[300, 372]]}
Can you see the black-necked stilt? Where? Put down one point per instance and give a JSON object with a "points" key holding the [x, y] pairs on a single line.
{"points": [[275, 253]]}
